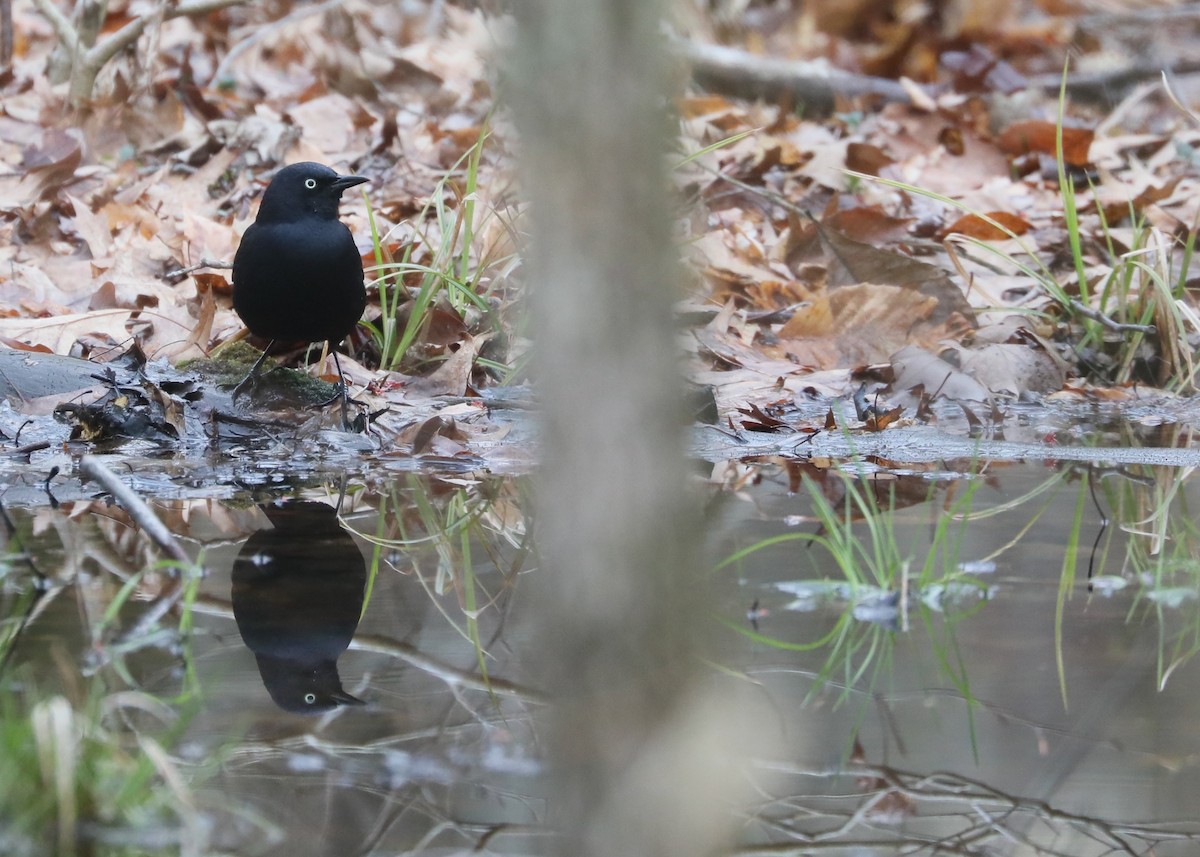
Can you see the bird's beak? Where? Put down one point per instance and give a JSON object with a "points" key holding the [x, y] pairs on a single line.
{"points": [[343, 182], [340, 696]]}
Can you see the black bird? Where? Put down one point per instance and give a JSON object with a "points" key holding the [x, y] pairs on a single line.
{"points": [[297, 274], [297, 596]]}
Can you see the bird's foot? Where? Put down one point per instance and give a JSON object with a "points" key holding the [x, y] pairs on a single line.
{"points": [[339, 395], [358, 423], [247, 384], [252, 377]]}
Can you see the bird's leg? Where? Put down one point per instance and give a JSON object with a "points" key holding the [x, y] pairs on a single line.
{"points": [[342, 389], [251, 378]]}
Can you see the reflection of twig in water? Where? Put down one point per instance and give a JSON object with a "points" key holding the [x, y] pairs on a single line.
{"points": [[409, 654], [39, 598], [988, 813], [149, 523], [451, 675]]}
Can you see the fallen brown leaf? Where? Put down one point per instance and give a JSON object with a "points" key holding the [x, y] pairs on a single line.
{"points": [[1005, 225], [1038, 135]]}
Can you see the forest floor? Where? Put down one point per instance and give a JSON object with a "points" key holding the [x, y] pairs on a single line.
{"points": [[875, 208]]}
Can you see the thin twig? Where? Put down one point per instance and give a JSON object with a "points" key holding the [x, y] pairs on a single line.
{"points": [[259, 33], [765, 192], [1169, 85], [205, 262], [1118, 326], [43, 588], [92, 468], [453, 676]]}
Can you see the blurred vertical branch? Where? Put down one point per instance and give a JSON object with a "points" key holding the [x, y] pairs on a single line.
{"points": [[6, 34], [636, 743]]}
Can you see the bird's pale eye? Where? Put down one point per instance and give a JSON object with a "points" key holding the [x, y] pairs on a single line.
{"points": [[311, 184], [310, 698]]}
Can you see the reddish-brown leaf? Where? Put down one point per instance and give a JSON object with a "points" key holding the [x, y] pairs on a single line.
{"points": [[878, 422], [975, 226], [951, 138], [1038, 135], [761, 421], [865, 158]]}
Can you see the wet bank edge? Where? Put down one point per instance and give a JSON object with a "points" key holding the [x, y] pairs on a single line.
{"points": [[306, 451]]}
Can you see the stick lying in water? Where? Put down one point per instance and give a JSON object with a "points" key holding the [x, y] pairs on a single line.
{"points": [[92, 468]]}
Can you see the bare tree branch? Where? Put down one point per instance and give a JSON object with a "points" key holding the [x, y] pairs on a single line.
{"points": [[62, 27], [86, 64]]}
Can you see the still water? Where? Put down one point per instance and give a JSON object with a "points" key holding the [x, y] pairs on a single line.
{"points": [[995, 661]]}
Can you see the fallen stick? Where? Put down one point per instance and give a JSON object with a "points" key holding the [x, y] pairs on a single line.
{"points": [[736, 72], [816, 86], [92, 468]]}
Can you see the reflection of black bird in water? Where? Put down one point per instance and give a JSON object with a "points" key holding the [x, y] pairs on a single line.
{"points": [[297, 596]]}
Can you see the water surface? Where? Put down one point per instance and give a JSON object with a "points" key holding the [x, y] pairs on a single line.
{"points": [[934, 665]]}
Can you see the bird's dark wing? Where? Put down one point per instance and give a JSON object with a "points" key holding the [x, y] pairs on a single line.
{"points": [[301, 280]]}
